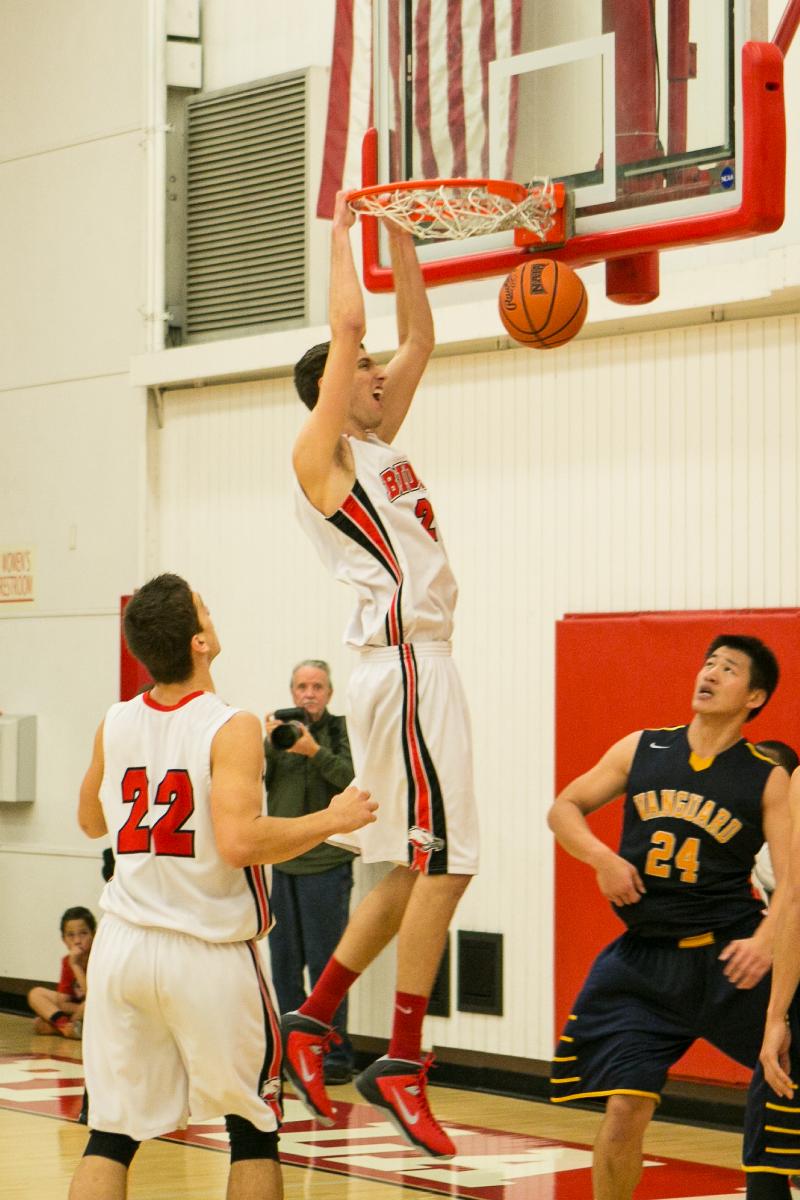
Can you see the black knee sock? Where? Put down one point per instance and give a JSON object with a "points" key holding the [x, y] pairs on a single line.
{"points": [[763, 1185]]}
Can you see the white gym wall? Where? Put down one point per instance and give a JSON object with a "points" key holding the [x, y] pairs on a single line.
{"points": [[640, 467], [653, 471]]}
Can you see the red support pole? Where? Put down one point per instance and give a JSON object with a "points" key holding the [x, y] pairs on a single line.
{"points": [[787, 27], [679, 69], [633, 279], [632, 22]]}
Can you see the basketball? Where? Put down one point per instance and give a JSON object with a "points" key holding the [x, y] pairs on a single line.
{"points": [[542, 304]]}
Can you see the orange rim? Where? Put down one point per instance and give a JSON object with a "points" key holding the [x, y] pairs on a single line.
{"points": [[507, 188]]}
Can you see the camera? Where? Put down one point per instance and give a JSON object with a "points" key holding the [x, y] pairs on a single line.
{"points": [[286, 735]]}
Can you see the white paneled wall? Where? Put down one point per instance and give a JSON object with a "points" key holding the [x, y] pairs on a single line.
{"points": [[246, 39], [71, 463], [72, 245], [70, 73], [655, 471], [73, 159], [651, 470], [226, 521], [64, 878]]}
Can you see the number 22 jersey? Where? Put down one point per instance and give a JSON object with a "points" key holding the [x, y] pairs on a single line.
{"points": [[692, 828], [155, 793]]}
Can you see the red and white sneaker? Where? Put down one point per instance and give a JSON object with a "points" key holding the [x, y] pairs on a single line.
{"points": [[305, 1043], [398, 1087]]}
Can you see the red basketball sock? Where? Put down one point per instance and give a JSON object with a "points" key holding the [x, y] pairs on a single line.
{"points": [[409, 1013], [329, 992]]}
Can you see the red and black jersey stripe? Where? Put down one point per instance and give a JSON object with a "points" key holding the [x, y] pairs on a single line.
{"points": [[425, 804], [257, 882], [269, 1079], [359, 519]]}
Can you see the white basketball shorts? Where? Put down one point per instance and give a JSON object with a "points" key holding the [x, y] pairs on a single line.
{"points": [[409, 730], [175, 1026]]}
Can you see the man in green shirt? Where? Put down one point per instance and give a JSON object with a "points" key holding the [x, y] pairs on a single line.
{"points": [[310, 894]]}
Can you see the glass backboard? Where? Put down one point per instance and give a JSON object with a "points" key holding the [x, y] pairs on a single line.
{"points": [[644, 109]]}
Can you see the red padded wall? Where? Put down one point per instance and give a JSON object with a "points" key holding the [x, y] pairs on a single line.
{"points": [[133, 677], [616, 673]]}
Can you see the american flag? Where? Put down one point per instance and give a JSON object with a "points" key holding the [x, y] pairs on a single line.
{"points": [[451, 43]]}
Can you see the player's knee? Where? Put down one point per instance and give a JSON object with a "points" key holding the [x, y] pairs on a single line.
{"points": [[627, 1117], [445, 884], [249, 1142], [460, 883], [117, 1146]]}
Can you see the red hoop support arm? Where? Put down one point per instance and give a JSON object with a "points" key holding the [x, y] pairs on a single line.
{"points": [[787, 27], [762, 209]]}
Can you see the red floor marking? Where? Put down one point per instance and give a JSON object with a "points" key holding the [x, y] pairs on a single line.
{"points": [[490, 1165]]}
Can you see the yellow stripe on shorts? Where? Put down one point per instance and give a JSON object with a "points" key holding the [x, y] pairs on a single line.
{"points": [[699, 939]]}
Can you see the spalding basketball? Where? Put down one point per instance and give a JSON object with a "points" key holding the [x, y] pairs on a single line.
{"points": [[542, 303]]}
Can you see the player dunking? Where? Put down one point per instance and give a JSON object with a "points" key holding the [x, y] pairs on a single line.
{"points": [[694, 960], [178, 1015], [369, 516]]}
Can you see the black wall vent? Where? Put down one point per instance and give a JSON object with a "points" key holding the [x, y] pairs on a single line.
{"points": [[480, 973]]}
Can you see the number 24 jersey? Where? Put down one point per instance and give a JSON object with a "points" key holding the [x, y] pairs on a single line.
{"points": [[692, 828]]}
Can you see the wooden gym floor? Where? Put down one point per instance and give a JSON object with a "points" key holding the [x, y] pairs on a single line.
{"points": [[38, 1152]]}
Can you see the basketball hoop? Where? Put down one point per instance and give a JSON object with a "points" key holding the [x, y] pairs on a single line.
{"points": [[455, 209]]}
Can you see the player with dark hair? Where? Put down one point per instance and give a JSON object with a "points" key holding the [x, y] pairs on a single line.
{"points": [[308, 372], [160, 622], [764, 672], [699, 802], [176, 779], [369, 516]]}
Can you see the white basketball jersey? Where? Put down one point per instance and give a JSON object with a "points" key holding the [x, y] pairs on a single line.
{"points": [[156, 799], [385, 543]]}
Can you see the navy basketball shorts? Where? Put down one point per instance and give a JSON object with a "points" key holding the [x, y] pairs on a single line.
{"points": [[643, 1004], [771, 1122]]}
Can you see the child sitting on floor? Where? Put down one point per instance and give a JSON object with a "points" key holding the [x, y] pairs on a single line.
{"points": [[61, 1011]]}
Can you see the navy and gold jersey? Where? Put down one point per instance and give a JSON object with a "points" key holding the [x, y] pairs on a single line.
{"points": [[692, 828]]}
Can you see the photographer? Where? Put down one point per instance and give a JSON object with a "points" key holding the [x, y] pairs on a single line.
{"points": [[308, 761]]}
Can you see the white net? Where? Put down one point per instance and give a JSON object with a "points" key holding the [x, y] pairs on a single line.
{"points": [[456, 210]]}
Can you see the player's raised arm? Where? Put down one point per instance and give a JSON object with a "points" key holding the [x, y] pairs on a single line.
{"points": [[317, 445], [617, 879], [414, 330], [246, 836], [90, 811]]}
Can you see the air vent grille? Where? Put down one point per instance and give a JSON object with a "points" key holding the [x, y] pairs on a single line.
{"points": [[246, 209]]}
